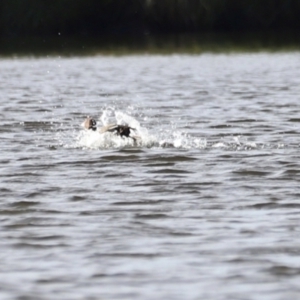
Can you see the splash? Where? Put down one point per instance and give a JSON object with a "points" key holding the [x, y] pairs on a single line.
{"points": [[154, 133], [157, 136], [95, 140]]}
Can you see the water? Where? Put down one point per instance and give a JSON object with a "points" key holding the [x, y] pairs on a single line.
{"points": [[206, 206]]}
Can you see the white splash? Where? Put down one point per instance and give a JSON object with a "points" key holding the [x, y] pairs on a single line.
{"points": [[95, 140], [159, 134]]}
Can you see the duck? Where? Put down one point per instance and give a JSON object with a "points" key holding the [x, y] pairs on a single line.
{"points": [[120, 130]]}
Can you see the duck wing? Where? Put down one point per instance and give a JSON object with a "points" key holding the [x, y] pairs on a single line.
{"points": [[108, 128]]}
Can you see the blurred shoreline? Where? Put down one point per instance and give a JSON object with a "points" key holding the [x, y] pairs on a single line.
{"points": [[20, 18], [86, 27], [190, 43]]}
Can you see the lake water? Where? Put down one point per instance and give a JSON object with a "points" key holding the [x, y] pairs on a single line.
{"points": [[205, 206]]}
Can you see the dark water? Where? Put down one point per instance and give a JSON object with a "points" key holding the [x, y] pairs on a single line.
{"points": [[206, 206]]}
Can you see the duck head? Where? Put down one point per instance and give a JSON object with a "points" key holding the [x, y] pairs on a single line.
{"points": [[90, 123]]}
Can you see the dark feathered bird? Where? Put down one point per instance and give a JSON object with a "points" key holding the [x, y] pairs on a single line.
{"points": [[121, 130]]}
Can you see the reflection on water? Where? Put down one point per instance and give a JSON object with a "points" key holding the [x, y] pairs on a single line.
{"points": [[208, 199]]}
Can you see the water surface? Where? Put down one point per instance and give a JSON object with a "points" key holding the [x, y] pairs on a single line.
{"points": [[206, 206]]}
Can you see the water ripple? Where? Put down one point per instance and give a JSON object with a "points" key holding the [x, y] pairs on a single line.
{"points": [[208, 197]]}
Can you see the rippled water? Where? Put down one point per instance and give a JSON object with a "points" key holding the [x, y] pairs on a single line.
{"points": [[206, 206]]}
